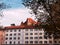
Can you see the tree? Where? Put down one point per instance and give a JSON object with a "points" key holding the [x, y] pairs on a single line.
{"points": [[47, 14]]}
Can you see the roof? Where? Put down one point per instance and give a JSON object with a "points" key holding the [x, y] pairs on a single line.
{"points": [[32, 25]]}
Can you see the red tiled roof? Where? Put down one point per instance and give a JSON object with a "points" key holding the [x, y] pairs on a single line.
{"points": [[24, 25]]}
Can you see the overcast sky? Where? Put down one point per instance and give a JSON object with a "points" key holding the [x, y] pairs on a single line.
{"points": [[16, 14]]}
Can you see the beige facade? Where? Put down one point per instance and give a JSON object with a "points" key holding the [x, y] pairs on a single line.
{"points": [[27, 36]]}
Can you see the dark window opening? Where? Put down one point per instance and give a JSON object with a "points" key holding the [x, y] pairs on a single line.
{"points": [[31, 42], [10, 42], [26, 42], [31, 33], [26, 37], [14, 38], [10, 38], [36, 37], [40, 37], [31, 37], [36, 42], [40, 42], [45, 41]]}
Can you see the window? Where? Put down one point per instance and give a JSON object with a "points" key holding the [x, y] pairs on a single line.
{"points": [[26, 30], [55, 41], [10, 42], [59, 41], [19, 30], [36, 29], [18, 37], [26, 37], [26, 33], [10, 34], [31, 29], [36, 33], [18, 42], [14, 42], [31, 42], [36, 42], [45, 37], [14, 38], [6, 34], [40, 37], [6, 42], [50, 41], [10, 38], [10, 30], [18, 33], [45, 41], [14, 30], [26, 42], [6, 38], [50, 37], [36, 37], [40, 42], [40, 33], [14, 34], [31, 33], [31, 37]]}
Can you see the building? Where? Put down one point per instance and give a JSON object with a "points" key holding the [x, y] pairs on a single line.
{"points": [[26, 33]]}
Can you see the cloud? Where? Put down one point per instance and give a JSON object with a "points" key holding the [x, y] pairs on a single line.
{"points": [[15, 16]]}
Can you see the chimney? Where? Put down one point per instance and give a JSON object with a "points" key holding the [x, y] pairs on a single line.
{"points": [[12, 24]]}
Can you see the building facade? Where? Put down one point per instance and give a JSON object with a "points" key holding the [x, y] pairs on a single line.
{"points": [[27, 34]]}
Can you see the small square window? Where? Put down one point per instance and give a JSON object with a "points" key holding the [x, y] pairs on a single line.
{"points": [[40, 42], [59, 41], [6, 38], [14, 42], [10, 38], [26, 30], [31, 29], [31, 33], [36, 33], [14, 34], [18, 33], [36, 29], [6, 34], [6, 42], [26, 33], [36, 42], [18, 37], [45, 37], [26, 37], [14, 38], [10, 30], [50, 41], [40, 33], [31, 42], [19, 30], [26, 42], [55, 41], [40, 37], [10, 34], [36, 37], [10, 42], [31, 37], [14, 30], [45, 42], [18, 42]]}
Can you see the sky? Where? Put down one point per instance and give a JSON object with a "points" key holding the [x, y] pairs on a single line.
{"points": [[15, 14]]}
